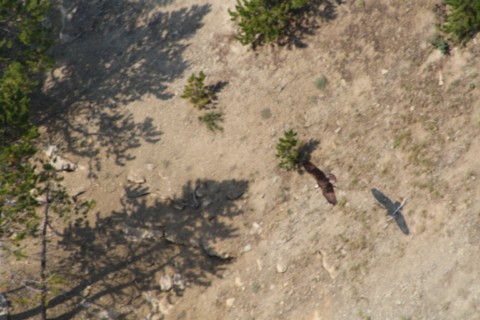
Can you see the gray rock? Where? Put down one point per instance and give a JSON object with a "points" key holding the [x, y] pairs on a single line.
{"points": [[135, 177], [3, 308], [138, 234], [214, 249]]}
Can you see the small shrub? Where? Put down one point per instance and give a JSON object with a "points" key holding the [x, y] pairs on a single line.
{"points": [[462, 20], [265, 21], [288, 152], [211, 119], [441, 44], [197, 93], [321, 82]]}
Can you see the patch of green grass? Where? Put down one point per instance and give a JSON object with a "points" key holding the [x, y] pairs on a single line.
{"points": [[454, 84], [402, 139], [256, 287], [266, 113], [342, 202]]}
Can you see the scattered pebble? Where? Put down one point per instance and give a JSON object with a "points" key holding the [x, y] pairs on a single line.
{"points": [[238, 282], [259, 265], [247, 248], [281, 267]]}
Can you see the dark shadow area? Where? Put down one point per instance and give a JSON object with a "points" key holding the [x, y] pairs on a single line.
{"points": [[307, 22], [217, 87], [306, 149], [110, 54], [145, 251], [394, 210]]}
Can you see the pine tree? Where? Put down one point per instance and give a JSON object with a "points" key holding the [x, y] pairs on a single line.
{"points": [[288, 152], [265, 21], [463, 20]]}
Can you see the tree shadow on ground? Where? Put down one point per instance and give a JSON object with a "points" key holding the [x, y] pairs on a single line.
{"points": [[306, 149], [145, 251], [394, 210], [308, 21], [113, 53]]}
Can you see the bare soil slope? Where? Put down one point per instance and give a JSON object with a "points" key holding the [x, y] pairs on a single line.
{"points": [[195, 225]]}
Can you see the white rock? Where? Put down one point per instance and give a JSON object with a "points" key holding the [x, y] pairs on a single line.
{"points": [[178, 281], [62, 164], [51, 151], [281, 267], [238, 282], [328, 266], [259, 265], [165, 283], [384, 71], [229, 302], [247, 248]]}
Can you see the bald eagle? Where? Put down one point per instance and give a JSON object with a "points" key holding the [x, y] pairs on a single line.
{"points": [[323, 181]]}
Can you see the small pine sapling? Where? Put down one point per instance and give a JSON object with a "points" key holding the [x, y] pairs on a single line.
{"points": [[210, 119], [288, 151], [197, 93], [441, 44], [293, 157]]}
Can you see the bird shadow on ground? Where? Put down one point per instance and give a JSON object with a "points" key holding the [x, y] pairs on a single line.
{"points": [[148, 250], [111, 54], [394, 210]]}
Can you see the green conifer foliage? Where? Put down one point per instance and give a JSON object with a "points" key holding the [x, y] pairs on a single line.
{"points": [[463, 19], [196, 91], [288, 151], [265, 21]]}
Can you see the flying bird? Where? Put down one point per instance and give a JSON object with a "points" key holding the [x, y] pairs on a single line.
{"points": [[323, 181]]}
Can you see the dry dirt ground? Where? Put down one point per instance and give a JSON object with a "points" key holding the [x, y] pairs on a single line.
{"points": [[395, 115]]}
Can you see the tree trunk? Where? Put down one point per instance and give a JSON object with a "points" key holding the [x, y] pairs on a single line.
{"points": [[43, 263]]}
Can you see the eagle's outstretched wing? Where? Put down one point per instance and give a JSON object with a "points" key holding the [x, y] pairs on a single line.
{"points": [[322, 181]]}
